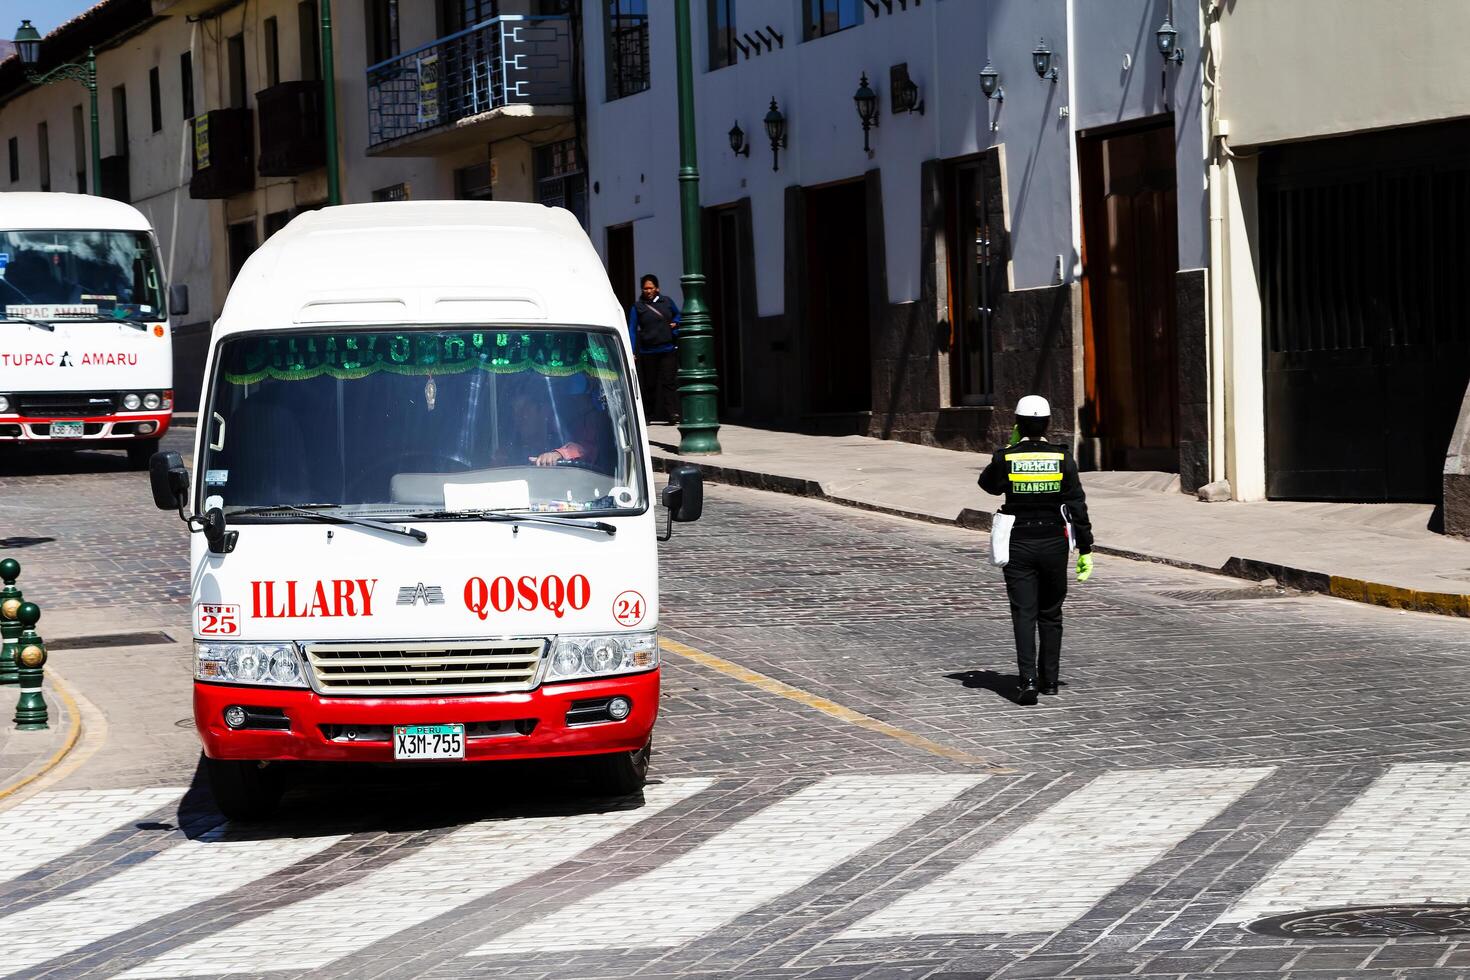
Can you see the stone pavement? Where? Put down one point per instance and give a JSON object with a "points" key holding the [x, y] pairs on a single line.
{"points": [[1378, 553], [1217, 753]]}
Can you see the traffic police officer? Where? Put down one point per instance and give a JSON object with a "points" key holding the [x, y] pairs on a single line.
{"points": [[1044, 494]]}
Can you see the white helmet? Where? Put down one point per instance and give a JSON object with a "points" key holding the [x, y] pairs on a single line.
{"points": [[1033, 407]]}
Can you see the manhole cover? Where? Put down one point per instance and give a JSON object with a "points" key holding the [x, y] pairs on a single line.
{"points": [[1222, 595], [109, 640], [1368, 922]]}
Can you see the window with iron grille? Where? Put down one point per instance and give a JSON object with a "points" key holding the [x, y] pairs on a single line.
{"points": [[560, 180], [721, 33], [393, 192], [825, 17], [627, 47], [382, 30]]}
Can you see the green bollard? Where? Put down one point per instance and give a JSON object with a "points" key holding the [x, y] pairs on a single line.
{"points": [[10, 599], [30, 658]]}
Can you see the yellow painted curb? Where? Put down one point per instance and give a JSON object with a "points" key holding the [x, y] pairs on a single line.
{"points": [[74, 732], [1395, 597], [827, 707]]}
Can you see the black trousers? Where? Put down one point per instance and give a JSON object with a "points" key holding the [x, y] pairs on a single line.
{"points": [[1036, 582], [658, 379]]}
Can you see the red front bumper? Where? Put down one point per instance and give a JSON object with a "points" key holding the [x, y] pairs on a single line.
{"points": [[307, 713], [116, 430]]}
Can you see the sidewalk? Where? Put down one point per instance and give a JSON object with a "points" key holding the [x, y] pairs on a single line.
{"points": [[1377, 553]]}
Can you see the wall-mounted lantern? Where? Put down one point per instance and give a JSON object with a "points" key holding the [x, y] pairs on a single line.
{"points": [[776, 130], [1041, 61], [867, 108], [990, 88], [903, 91], [1168, 42], [738, 146]]}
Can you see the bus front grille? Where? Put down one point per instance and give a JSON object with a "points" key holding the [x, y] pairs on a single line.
{"points": [[449, 667]]}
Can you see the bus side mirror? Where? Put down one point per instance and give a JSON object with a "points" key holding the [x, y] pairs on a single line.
{"points": [[169, 480], [684, 495], [178, 300]]}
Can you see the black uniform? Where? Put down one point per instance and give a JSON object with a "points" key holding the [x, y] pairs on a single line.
{"points": [[1038, 480]]}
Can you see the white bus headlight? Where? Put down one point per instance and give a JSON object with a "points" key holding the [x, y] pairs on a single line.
{"points": [[131, 402], [151, 401], [273, 664], [4, 404], [601, 655]]}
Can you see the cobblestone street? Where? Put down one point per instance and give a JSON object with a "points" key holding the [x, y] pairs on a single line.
{"points": [[841, 786]]}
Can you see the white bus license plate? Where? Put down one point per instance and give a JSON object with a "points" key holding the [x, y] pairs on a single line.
{"points": [[66, 430], [428, 741]]}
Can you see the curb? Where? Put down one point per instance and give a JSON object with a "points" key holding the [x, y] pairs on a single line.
{"points": [[1301, 579], [73, 735]]}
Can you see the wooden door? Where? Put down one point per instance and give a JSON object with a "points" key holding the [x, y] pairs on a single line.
{"points": [[1130, 256], [838, 341]]}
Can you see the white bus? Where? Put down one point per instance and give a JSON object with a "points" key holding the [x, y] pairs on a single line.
{"points": [[424, 498], [87, 356]]}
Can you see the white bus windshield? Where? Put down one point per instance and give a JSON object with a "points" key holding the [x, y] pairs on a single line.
{"points": [[421, 421], [106, 275]]}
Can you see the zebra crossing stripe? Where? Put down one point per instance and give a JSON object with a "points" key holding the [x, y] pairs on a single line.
{"points": [[194, 871], [457, 869], [1406, 838], [759, 859], [1061, 864], [54, 824]]}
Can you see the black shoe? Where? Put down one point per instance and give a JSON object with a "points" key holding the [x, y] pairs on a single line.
{"points": [[1049, 687], [1026, 695]]}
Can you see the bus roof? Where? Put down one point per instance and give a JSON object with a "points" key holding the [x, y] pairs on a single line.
{"points": [[406, 262], [33, 210]]}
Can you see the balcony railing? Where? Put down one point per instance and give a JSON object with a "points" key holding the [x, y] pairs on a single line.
{"points": [[503, 61], [292, 128]]}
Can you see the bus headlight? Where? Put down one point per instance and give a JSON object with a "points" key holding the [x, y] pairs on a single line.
{"points": [[4, 404], [131, 402], [151, 401], [265, 664], [601, 655]]}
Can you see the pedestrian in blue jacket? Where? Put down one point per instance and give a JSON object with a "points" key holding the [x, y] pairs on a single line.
{"points": [[653, 328]]}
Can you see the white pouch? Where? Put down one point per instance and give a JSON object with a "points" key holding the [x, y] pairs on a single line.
{"points": [[1000, 539]]}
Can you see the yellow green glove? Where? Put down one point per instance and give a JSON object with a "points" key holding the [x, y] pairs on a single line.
{"points": [[1084, 567], [1015, 435]]}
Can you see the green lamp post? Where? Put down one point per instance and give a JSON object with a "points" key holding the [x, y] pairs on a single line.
{"points": [[699, 424], [28, 43], [329, 105]]}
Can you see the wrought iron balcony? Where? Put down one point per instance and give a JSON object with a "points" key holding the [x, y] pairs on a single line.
{"points": [[502, 73], [293, 128]]}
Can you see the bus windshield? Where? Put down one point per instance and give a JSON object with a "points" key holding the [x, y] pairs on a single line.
{"points": [[424, 420], [107, 275]]}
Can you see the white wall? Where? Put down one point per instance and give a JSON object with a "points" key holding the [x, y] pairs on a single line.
{"points": [[1313, 68], [634, 140]]}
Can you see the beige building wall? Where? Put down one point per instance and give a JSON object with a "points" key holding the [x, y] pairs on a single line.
{"points": [[1297, 69]]}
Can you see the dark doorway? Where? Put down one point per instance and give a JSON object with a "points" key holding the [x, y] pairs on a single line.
{"points": [[838, 317], [1363, 258], [621, 271], [242, 242], [1130, 256], [975, 230], [725, 249]]}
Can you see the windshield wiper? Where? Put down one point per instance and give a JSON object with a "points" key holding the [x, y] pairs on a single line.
{"points": [[319, 512], [44, 324], [502, 518]]}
